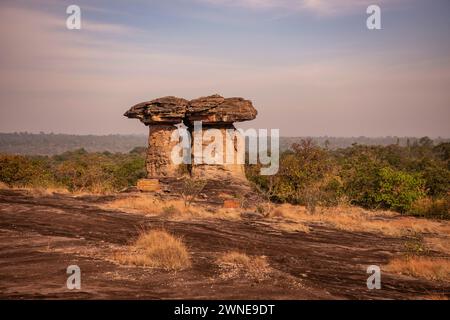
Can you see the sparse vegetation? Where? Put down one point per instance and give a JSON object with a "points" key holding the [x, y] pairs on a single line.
{"points": [[440, 244], [355, 219], [172, 209], [191, 189], [291, 227], [421, 267], [141, 204], [157, 249], [235, 264]]}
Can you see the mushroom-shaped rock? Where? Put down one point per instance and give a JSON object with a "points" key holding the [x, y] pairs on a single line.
{"points": [[160, 115], [217, 112], [162, 110], [217, 109], [214, 112]]}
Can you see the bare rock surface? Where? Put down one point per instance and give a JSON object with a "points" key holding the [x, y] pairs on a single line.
{"points": [[41, 235]]}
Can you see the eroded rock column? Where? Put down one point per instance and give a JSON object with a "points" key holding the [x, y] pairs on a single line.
{"points": [[159, 162], [216, 115], [218, 159], [161, 115]]}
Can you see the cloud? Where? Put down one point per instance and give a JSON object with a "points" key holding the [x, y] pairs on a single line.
{"points": [[54, 79], [319, 7]]}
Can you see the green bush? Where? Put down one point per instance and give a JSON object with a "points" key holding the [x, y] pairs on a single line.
{"points": [[24, 171], [306, 176], [391, 177], [398, 190]]}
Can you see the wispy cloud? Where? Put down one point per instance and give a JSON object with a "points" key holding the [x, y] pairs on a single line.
{"points": [[66, 80], [320, 7]]}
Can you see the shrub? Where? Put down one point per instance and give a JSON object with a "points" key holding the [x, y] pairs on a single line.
{"points": [[191, 188], [21, 171], [431, 208], [437, 179], [398, 190], [306, 176]]}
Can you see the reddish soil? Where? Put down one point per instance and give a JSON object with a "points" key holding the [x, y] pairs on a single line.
{"points": [[41, 235]]}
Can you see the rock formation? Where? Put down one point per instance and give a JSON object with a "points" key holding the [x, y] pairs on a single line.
{"points": [[218, 113], [163, 114]]}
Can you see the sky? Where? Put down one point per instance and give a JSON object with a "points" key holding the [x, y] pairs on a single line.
{"points": [[310, 67]]}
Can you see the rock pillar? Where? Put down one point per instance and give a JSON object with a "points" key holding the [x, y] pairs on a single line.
{"points": [[218, 157], [159, 162], [221, 155]]}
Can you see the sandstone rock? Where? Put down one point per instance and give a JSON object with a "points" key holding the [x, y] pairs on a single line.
{"points": [[218, 171], [148, 185], [158, 161], [162, 110], [217, 109], [162, 114]]}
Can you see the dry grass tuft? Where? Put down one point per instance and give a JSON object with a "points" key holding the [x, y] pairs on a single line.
{"points": [[291, 227], [235, 264], [157, 249], [421, 267]]}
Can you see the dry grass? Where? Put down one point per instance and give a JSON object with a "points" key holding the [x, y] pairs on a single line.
{"points": [[440, 244], [291, 227], [48, 191], [157, 249], [356, 219], [291, 218], [37, 191], [235, 264], [172, 209], [138, 204], [421, 267]]}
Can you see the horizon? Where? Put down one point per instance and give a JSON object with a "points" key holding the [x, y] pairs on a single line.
{"points": [[311, 68], [281, 136]]}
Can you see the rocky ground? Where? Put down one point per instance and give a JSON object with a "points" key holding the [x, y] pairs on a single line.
{"points": [[41, 235]]}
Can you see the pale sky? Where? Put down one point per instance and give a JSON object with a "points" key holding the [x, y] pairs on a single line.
{"points": [[311, 67]]}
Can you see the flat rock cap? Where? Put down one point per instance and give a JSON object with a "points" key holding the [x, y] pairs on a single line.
{"points": [[217, 109], [162, 110], [210, 110]]}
